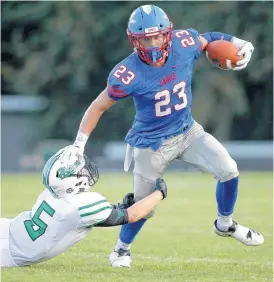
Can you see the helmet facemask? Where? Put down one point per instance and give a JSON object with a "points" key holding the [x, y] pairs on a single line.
{"points": [[153, 54], [89, 171]]}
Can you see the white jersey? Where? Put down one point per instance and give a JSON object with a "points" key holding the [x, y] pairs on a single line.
{"points": [[54, 225]]}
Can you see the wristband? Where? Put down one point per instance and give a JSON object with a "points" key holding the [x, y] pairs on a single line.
{"points": [[81, 140]]}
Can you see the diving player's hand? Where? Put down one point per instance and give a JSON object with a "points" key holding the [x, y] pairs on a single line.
{"points": [[73, 157], [246, 49], [127, 202], [161, 186]]}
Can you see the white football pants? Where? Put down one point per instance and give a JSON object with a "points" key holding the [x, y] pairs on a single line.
{"points": [[5, 257], [196, 147]]}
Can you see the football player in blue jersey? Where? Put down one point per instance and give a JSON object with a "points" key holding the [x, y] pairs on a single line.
{"points": [[157, 75]]}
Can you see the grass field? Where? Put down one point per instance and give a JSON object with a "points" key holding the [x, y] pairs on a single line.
{"points": [[178, 244]]}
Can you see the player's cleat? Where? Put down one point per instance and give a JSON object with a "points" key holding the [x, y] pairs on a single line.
{"points": [[245, 235], [121, 258]]}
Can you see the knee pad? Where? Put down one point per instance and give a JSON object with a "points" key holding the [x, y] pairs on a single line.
{"points": [[229, 170]]}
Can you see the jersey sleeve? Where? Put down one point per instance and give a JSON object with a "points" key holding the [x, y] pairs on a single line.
{"points": [[93, 208], [197, 47], [188, 41], [120, 82]]}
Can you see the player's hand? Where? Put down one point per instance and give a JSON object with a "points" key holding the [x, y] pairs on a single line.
{"points": [[161, 186], [73, 157], [246, 50], [127, 202]]}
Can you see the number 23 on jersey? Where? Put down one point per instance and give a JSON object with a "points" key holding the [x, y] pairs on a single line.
{"points": [[165, 98], [126, 76]]}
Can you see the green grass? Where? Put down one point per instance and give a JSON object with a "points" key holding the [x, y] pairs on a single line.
{"points": [[178, 244]]}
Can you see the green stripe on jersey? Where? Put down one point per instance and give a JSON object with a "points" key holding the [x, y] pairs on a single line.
{"points": [[96, 211], [91, 205]]}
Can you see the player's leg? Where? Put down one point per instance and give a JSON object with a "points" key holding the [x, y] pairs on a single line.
{"points": [[149, 165], [5, 257], [120, 257], [208, 154]]}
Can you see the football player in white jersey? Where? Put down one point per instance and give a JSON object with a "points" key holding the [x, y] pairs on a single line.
{"points": [[65, 213]]}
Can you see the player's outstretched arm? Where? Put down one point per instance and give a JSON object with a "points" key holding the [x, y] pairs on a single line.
{"points": [[94, 112], [87, 125], [141, 208], [138, 210]]}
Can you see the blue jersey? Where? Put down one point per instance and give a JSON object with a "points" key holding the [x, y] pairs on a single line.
{"points": [[162, 95]]}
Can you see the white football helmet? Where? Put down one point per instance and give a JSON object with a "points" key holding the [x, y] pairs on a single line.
{"points": [[62, 180]]}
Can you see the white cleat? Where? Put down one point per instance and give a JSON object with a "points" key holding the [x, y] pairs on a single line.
{"points": [[245, 235], [121, 258]]}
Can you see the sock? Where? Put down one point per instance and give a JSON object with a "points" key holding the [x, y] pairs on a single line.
{"points": [[128, 233], [121, 245], [224, 222], [226, 196]]}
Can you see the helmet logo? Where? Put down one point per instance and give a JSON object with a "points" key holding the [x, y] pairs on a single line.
{"points": [[69, 190], [151, 29], [147, 9], [63, 172]]}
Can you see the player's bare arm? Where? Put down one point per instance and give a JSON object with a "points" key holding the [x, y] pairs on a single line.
{"points": [[130, 212], [74, 153], [141, 208], [94, 112]]}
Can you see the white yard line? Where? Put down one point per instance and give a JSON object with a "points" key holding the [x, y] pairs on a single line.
{"points": [[174, 259]]}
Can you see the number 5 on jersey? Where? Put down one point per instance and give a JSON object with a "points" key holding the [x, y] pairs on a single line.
{"points": [[159, 111], [37, 227]]}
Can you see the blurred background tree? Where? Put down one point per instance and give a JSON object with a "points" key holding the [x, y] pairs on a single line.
{"points": [[65, 51]]}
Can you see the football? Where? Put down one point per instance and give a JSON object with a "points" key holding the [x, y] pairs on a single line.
{"points": [[223, 54]]}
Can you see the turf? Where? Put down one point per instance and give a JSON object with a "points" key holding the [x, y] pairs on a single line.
{"points": [[178, 244]]}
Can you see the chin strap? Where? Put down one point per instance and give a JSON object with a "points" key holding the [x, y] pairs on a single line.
{"points": [[154, 56], [154, 53]]}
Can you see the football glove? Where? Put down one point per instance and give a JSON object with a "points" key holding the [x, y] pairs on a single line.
{"points": [[160, 185], [246, 49], [73, 157], [127, 202]]}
